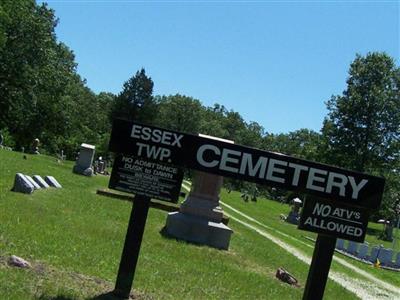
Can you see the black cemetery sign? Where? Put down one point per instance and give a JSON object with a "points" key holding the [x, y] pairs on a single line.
{"points": [[245, 163], [341, 199]]}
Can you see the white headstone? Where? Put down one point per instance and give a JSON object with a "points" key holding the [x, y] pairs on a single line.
{"points": [[52, 182], [340, 244], [362, 251], [86, 155], [22, 184], [84, 162], [397, 263], [352, 247], [385, 256], [34, 183], [374, 254], [40, 181]]}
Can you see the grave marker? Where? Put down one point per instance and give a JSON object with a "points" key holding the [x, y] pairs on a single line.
{"points": [[51, 181], [34, 183], [397, 262], [385, 256], [340, 244], [22, 184], [374, 254], [40, 181], [352, 248], [84, 162], [362, 251]]}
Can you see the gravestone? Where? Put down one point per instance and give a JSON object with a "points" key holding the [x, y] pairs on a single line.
{"points": [[34, 183], [1, 141], [51, 181], [374, 254], [62, 155], [362, 251], [340, 244], [22, 184], [99, 166], [84, 162], [35, 146], [199, 219], [385, 256], [389, 232], [397, 262], [352, 247], [40, 181], [102, 166], [294, 215]]}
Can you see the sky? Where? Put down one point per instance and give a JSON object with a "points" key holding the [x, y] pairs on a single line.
{"points": [[274, 62]]}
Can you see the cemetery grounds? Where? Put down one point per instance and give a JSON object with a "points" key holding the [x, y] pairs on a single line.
{"points": [[74, 237]]}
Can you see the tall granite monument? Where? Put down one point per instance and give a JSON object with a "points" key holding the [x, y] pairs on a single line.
{"points": [[84, 162], [294, 215], [199, 219]]}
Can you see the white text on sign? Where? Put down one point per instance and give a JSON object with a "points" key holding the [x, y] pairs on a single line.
{"points": [[274, 170]]}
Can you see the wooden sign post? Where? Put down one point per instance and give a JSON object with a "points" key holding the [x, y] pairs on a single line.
{"points": [[319, 269], [133, 241], [146, 179], [147, 165]]}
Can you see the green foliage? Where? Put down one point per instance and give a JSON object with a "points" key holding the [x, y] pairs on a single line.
{"points": [[8, 140], [180, 113], [136, 101], [41, 94], [302, 143], [34, 70], [362, 129]]}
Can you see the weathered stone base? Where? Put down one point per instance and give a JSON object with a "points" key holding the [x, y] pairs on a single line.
{"points": [[83, 170], [198, 230]]}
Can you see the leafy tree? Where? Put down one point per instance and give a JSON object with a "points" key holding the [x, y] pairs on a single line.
{"points": [[136, 101], [34, 71], [362, 129], [212, 121], [180, 113], [252, 135], [302, 143]]}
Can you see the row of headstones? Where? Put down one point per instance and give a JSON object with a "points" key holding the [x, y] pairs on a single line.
{"points": [[360, 251], [5, 148], [99, 166], [27, 184]]}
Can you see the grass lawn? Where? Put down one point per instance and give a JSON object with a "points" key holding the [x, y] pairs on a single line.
{"points": [[74, 239]]}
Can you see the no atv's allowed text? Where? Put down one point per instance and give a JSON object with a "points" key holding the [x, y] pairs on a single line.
{"points": [[328, 218]]}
